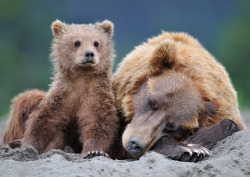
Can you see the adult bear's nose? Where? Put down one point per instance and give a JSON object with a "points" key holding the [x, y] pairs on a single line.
{"points": [[135, 146], [89, 55]]}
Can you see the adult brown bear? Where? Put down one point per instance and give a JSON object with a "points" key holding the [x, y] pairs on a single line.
{"points": [[170, 89]]}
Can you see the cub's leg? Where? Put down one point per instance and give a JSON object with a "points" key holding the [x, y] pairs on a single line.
{"points": [[209, 136], [98, 126], [45, 128], [22, 106]]}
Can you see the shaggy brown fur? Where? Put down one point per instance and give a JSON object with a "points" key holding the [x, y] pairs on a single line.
{"points": [[78, 110], [169, 100], [22, 106], [196, 89]]}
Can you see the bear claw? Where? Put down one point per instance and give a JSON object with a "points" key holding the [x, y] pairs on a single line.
{"points": [[207, 152], [179, 151], [191, 153], [188, 150], [200, 149], [91, 154]]}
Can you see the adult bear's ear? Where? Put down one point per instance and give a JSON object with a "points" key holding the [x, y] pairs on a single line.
{"points": [[163, 56], [58, 28], [208, 112], [108, 27], [210, 108]]}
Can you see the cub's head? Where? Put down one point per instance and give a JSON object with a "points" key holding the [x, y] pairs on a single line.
{"points": [[164, 104], [82, 48]]}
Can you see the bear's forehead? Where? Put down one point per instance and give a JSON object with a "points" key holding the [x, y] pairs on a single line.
{"points": [[170, 84], [172, 88], [84, 31]]}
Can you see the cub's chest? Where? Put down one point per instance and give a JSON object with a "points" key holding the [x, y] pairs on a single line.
{"points": [[81, 93]]}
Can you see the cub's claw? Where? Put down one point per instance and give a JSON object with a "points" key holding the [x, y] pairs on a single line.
{"points": [[91, 154]]}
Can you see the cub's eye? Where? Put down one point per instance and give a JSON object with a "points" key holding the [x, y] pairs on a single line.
{"points": [[152, 105], [77, 43], [96, 44]]}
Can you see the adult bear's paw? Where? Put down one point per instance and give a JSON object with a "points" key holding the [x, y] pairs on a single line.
{"points": [[180, 151], [190, 153]]}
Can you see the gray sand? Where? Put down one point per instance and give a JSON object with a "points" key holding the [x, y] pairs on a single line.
{"points": [[230, 157]]}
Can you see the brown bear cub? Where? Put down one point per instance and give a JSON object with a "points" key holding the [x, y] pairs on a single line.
{"points": [[176, 98], [78, 110]]}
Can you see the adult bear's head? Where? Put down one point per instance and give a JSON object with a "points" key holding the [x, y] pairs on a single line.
{"points": [[165, 104]]}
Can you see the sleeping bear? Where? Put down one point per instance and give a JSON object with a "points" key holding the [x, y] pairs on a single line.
{"points": [[175, 99]]}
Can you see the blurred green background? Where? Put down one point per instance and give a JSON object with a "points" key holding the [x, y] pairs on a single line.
{"points": [[223, 28]]}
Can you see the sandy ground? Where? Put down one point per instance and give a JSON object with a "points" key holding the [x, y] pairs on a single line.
{"points": [[230, 157]]}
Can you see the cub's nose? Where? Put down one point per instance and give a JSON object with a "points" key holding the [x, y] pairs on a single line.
{"points": [[89, 55], [135, 146]]}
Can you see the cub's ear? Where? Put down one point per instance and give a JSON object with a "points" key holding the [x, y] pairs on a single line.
{"points": [[163, 56], [58, 28], [108, 27]]}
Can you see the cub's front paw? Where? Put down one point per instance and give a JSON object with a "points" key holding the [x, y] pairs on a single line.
{"points": [[15, 144], [91, 154]]}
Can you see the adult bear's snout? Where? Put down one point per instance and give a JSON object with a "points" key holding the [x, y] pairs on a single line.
{"points": [[135, 146]]}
